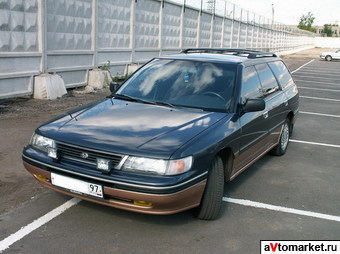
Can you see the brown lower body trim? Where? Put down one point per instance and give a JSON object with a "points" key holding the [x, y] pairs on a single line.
{"points": [[256, 152], [123, 199]]}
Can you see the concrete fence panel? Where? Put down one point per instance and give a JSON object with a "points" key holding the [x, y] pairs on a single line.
{"points": [[327, 42], [20, 54], [71, 37]]}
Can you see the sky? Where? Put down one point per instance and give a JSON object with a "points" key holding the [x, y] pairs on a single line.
{"points": [[289, 11]]}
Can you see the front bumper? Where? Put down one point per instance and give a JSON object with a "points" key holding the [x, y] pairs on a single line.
{"points": [[171, 203]]}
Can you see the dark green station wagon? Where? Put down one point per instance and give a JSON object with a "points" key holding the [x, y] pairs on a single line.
{"points": [[172, 134]]}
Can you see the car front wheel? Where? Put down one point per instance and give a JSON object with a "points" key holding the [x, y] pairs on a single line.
{"points": [[211, 202], [328, 58]]}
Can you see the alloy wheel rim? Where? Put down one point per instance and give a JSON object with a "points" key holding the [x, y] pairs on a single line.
{"points": [[285, 137]]}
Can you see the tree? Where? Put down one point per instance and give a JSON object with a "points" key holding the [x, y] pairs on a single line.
{"points": [[306, 22], [327, 29]]}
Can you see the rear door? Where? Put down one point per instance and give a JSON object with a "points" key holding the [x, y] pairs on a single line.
{"points": [[276, 102], [288, 86]]}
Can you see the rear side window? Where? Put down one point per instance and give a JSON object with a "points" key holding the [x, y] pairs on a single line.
{"points": [[281, 73], [251, 86], [267, 78]]}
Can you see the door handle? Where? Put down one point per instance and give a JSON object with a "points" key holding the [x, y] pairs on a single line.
{"points": [[265, 115]]}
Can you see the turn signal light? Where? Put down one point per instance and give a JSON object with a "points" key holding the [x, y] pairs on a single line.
{"points": [[42, 178], [142, 203]]}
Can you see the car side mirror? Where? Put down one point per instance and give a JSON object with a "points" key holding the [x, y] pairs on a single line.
{"points": [[254, 105], [114, 86]]}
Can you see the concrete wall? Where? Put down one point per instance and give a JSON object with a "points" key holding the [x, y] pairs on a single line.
{"points": [[74, 36], [327, 42]]}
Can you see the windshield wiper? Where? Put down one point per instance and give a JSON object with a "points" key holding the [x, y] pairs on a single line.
{"points": [[122, 96], [162, 103], [129, 98], [176, 106]]}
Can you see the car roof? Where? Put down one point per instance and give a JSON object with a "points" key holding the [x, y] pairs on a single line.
{"points": [[233, 56]]}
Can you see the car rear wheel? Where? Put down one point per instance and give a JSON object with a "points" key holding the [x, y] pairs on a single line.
{"points": [[328, 58], [281, 147], [211, 202]]}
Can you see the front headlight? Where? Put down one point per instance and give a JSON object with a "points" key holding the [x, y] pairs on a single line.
{"points": [[157, 166], [42, 143]]}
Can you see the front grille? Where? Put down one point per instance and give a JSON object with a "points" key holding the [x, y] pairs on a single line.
{"points": [[75, 153]]}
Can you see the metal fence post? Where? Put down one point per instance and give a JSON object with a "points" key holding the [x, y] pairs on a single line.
{"points": [[42, 34], [239, 30], [133, 31], [94, 33], [252, 32], [232, 27], [262, 39], [181, 31], [247, 30], [212, 29], [258, 33], [199, 26], [272, 41], [160, 34], [268, 38], [283, 36], [280, 36], [223, 24]]}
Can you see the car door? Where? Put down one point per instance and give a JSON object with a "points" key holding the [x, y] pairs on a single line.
{"points": [[276, 102], [337, 54], [254, 125]]}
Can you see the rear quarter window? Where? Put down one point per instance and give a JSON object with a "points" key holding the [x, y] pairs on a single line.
{"points": [[281, 73]]}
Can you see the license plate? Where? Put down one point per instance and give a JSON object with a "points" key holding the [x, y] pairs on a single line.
{"points": [[77, 186]]}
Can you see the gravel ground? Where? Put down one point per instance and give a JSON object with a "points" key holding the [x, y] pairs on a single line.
{"points": [[21, 116]]}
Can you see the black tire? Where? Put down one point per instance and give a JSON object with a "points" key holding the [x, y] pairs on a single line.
{"points": [[328, 58], [281, 147], [211, 202]]}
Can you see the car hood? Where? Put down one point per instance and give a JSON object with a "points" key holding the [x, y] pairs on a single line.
{"points": [[327, 53], [130, 128]]}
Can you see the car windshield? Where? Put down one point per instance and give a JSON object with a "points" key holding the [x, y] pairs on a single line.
{"points": [[182, 83]]}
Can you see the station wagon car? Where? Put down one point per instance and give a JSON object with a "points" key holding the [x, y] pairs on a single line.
{"points": [[329, 56], [172, 134]]}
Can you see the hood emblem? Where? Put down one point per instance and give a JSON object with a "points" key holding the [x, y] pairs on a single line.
{"points": [[84, 155]]}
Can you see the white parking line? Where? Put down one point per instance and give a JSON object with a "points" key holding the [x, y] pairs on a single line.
{"points": [[318, 82], [281, 209], [7, 242], [318, 114], [318, 98], [313, 68], [313, 143], [317, 72], [319, 89], [303, 66], [317, 76]]}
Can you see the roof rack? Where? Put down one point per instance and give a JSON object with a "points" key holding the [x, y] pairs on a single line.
{"points": [[249, 52]]}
